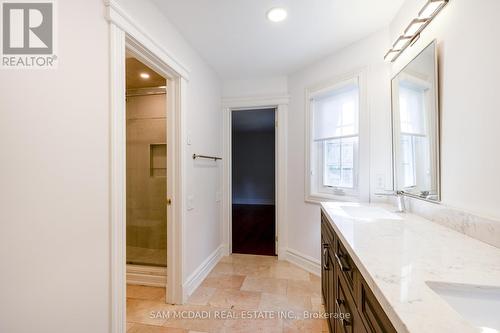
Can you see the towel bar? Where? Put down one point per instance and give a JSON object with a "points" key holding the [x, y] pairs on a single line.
{"points": [[215, 158]]}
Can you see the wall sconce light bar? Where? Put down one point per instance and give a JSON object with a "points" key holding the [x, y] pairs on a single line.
{"points": [[390, 55], [431, 8], [416, 26], [401, 42]]}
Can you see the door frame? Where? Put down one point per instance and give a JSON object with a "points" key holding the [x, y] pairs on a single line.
{"points": [[126, 34], [280, 104]]}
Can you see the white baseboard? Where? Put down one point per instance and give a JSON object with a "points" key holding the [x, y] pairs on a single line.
{"points": [[197, 277], [147, 275], [303, 261]]}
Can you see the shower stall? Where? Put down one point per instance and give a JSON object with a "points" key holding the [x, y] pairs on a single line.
{"points": [[146, 175], [146, 178]]}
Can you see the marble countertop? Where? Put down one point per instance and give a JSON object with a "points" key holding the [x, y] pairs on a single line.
{"points": [[397, 256]]}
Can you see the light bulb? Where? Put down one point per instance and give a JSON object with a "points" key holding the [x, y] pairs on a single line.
{"points": [[277, 14]]}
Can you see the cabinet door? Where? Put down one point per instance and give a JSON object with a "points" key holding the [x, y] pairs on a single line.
{"points": [[346, 265], [324, 272], [331, 291], [376, 321], [344, 303], [327, 277]]}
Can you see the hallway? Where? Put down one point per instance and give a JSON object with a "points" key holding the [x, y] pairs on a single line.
{"points": [[255, 231], [237, 286]]}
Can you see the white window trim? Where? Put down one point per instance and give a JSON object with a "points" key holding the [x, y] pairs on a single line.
{"points": [[363, 190]]}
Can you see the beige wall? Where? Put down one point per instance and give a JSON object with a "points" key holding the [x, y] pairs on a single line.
{"points": [[146, 180]]}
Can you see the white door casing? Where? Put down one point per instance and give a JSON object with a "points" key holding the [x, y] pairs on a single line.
{"points": [[280, 103], [125, 33]]}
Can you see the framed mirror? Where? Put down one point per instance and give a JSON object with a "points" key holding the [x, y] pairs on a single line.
{"points": [[415, 127]]}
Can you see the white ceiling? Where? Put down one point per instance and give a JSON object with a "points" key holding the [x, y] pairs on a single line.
{"points": [[237, 40]]}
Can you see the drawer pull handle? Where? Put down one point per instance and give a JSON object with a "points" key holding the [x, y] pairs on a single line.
{"points": [[339, 302], [325, 259], [345, 322], [344, 266]]}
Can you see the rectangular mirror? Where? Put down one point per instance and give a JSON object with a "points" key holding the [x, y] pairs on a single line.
{"points": [[415, 127]]}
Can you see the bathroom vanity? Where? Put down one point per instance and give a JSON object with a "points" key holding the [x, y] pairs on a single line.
{"points": [[402, 273], [344, 289]]}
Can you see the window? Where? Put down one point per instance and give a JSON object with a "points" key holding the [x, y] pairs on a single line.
{"points": [[338, 166], [333, 153]]}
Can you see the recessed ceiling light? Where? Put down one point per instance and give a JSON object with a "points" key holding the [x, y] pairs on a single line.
{"points": [[277, 14], [145, 76]]}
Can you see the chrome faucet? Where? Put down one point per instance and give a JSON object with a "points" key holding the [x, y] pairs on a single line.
{"points": [[400, 195], [400, 199]]}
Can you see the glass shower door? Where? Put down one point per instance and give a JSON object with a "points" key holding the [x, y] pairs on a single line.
{"points": [[146, 180]]}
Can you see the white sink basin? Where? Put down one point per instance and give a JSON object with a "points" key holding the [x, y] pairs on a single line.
{"points": [[369, 213], [480, 305]]}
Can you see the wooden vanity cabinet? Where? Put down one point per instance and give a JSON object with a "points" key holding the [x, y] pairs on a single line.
{"points": [[328, 271], [345, 290]]}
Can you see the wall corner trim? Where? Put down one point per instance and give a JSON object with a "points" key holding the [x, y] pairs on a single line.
{"points": [[303, 261], [117, 15], [200, 273]]}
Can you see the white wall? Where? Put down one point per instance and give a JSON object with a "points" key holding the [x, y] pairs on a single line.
{"points": [[304, 218], [469, 73], [269, 86], [54, 192], [54, 183]]}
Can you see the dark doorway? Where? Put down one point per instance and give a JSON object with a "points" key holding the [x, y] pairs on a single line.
{"points": [[253, 182]]}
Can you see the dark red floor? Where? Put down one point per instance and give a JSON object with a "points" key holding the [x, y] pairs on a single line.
{"points": [[254, 229]]}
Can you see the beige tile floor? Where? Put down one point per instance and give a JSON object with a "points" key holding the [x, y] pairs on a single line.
{"points": [[236, 287]]}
